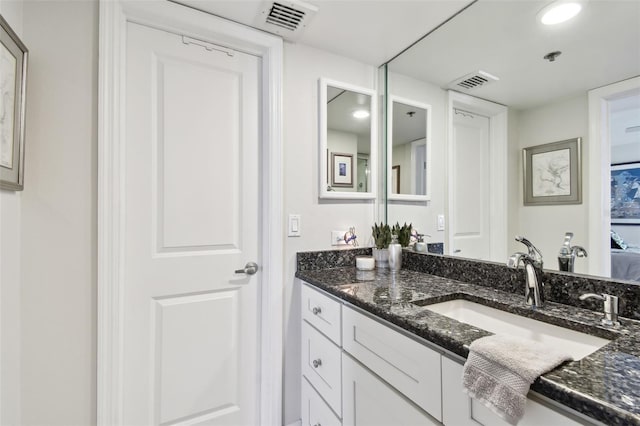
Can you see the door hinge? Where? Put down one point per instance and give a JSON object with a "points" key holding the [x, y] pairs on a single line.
{"points": [[208, 46]]}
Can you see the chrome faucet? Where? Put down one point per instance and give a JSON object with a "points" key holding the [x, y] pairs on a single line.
{"points": [[610, 307], [532, 261], [568, 254]]}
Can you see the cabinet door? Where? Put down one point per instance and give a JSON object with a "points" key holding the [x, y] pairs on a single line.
{"points": [[460, 410], [314, 410], [408, 366], [368, 401]]}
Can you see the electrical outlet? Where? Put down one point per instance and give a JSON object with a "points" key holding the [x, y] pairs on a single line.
{"points": [[337, 238]]}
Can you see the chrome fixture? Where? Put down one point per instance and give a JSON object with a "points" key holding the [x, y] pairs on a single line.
{"points": [[568, 254], [250, 268], [532, 261], [610, 307]]}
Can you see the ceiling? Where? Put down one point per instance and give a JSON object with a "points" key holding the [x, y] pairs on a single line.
{"points": [[600, 46], [370, 31]]}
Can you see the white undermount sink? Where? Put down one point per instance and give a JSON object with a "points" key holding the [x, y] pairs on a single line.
{"points": [[577, 344]]}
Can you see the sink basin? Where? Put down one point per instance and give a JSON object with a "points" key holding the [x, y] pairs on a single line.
{"points": [[577, 344]]}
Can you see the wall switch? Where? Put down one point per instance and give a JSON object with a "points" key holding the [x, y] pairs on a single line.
{"points": [[294, 225], [440, 222], [337, 238]]}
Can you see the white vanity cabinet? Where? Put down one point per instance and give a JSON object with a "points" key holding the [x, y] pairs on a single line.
{"points": [[358, 371]]}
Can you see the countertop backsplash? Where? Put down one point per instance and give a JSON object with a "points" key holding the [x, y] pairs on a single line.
{"points": [[560, 287]]}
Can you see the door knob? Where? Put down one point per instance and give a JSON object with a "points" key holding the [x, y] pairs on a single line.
{"points": [[250, 268]]}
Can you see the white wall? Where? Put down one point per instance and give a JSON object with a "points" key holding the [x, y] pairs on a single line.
{"points": [[545, 226], [58, 283], [422, 215], [10, 262], [303, 66]]}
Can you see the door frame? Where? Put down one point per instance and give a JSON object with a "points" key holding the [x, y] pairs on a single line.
{"points": [[498, 183], [598, 197], [168, 16]]}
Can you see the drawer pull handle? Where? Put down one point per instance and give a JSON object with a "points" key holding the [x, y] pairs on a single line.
{"points": [[316, 310], [317, 424], [316, 363]]}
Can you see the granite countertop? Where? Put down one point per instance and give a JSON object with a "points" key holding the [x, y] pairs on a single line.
{"points": [[604, 385]]}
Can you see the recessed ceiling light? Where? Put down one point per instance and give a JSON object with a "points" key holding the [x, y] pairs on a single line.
{"points": [[361, 113], [559, 11]]}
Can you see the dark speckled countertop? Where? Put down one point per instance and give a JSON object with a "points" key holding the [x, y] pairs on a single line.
{"points": [[604, 385]]}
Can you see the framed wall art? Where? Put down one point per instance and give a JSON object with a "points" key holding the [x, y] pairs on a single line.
{"points": [[553, 173], [625, 194], [342, 170], [13, 73]]}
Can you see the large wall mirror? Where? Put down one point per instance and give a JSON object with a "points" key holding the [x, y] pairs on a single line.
{"points": [[348, 141], [408, 150], [494, 71]]}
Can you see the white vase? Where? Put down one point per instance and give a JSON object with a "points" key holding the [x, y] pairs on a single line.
{"points": [[382, 258]]}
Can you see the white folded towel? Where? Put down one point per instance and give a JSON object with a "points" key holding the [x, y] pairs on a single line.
{"points": [[500, 369]]}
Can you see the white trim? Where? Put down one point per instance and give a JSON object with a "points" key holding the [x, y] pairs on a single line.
{"points": [[323, 178], [498, 214], [599, 173], [168, 16]]}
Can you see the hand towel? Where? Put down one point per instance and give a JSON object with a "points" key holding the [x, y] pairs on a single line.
{"points": [[500, 369]]}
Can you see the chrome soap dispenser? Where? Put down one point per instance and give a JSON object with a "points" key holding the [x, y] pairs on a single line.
{"points": [[568, 254]]}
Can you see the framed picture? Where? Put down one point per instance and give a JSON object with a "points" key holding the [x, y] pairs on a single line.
{"points": [[342, 170], [13, 72], [625, 194], [395, 179], [553, 174]]}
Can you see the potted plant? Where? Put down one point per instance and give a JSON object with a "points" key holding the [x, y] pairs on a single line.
{"points": [[382, 238], [403, 233]]}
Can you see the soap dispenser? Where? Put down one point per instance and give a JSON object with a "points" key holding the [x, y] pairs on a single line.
{"points": [[395, 254], [420, 245]]}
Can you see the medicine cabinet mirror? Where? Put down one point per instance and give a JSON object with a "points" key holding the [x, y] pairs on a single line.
{"points": [[408, 150], [348, 141]]}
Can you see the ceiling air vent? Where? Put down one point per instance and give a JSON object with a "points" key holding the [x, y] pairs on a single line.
{"points": [[286, 18], [473, 80]]}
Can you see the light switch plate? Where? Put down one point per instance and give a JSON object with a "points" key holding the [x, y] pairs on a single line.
{"points": [[294, 225], [440, 222]]}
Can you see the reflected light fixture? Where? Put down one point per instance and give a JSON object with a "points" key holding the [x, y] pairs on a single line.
{"points": [[361, 113], [559, 11]]}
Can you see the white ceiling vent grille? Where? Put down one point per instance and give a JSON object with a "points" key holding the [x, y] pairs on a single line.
{"points": [[473, 80], [286, 18]]}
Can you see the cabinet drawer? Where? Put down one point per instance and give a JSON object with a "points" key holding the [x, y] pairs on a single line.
{"points": [[321, 365], [314, 410], [410, 367], [322, 312]]}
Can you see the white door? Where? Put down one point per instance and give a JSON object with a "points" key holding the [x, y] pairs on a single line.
{"points": [[191, 333], [470, 179]]}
